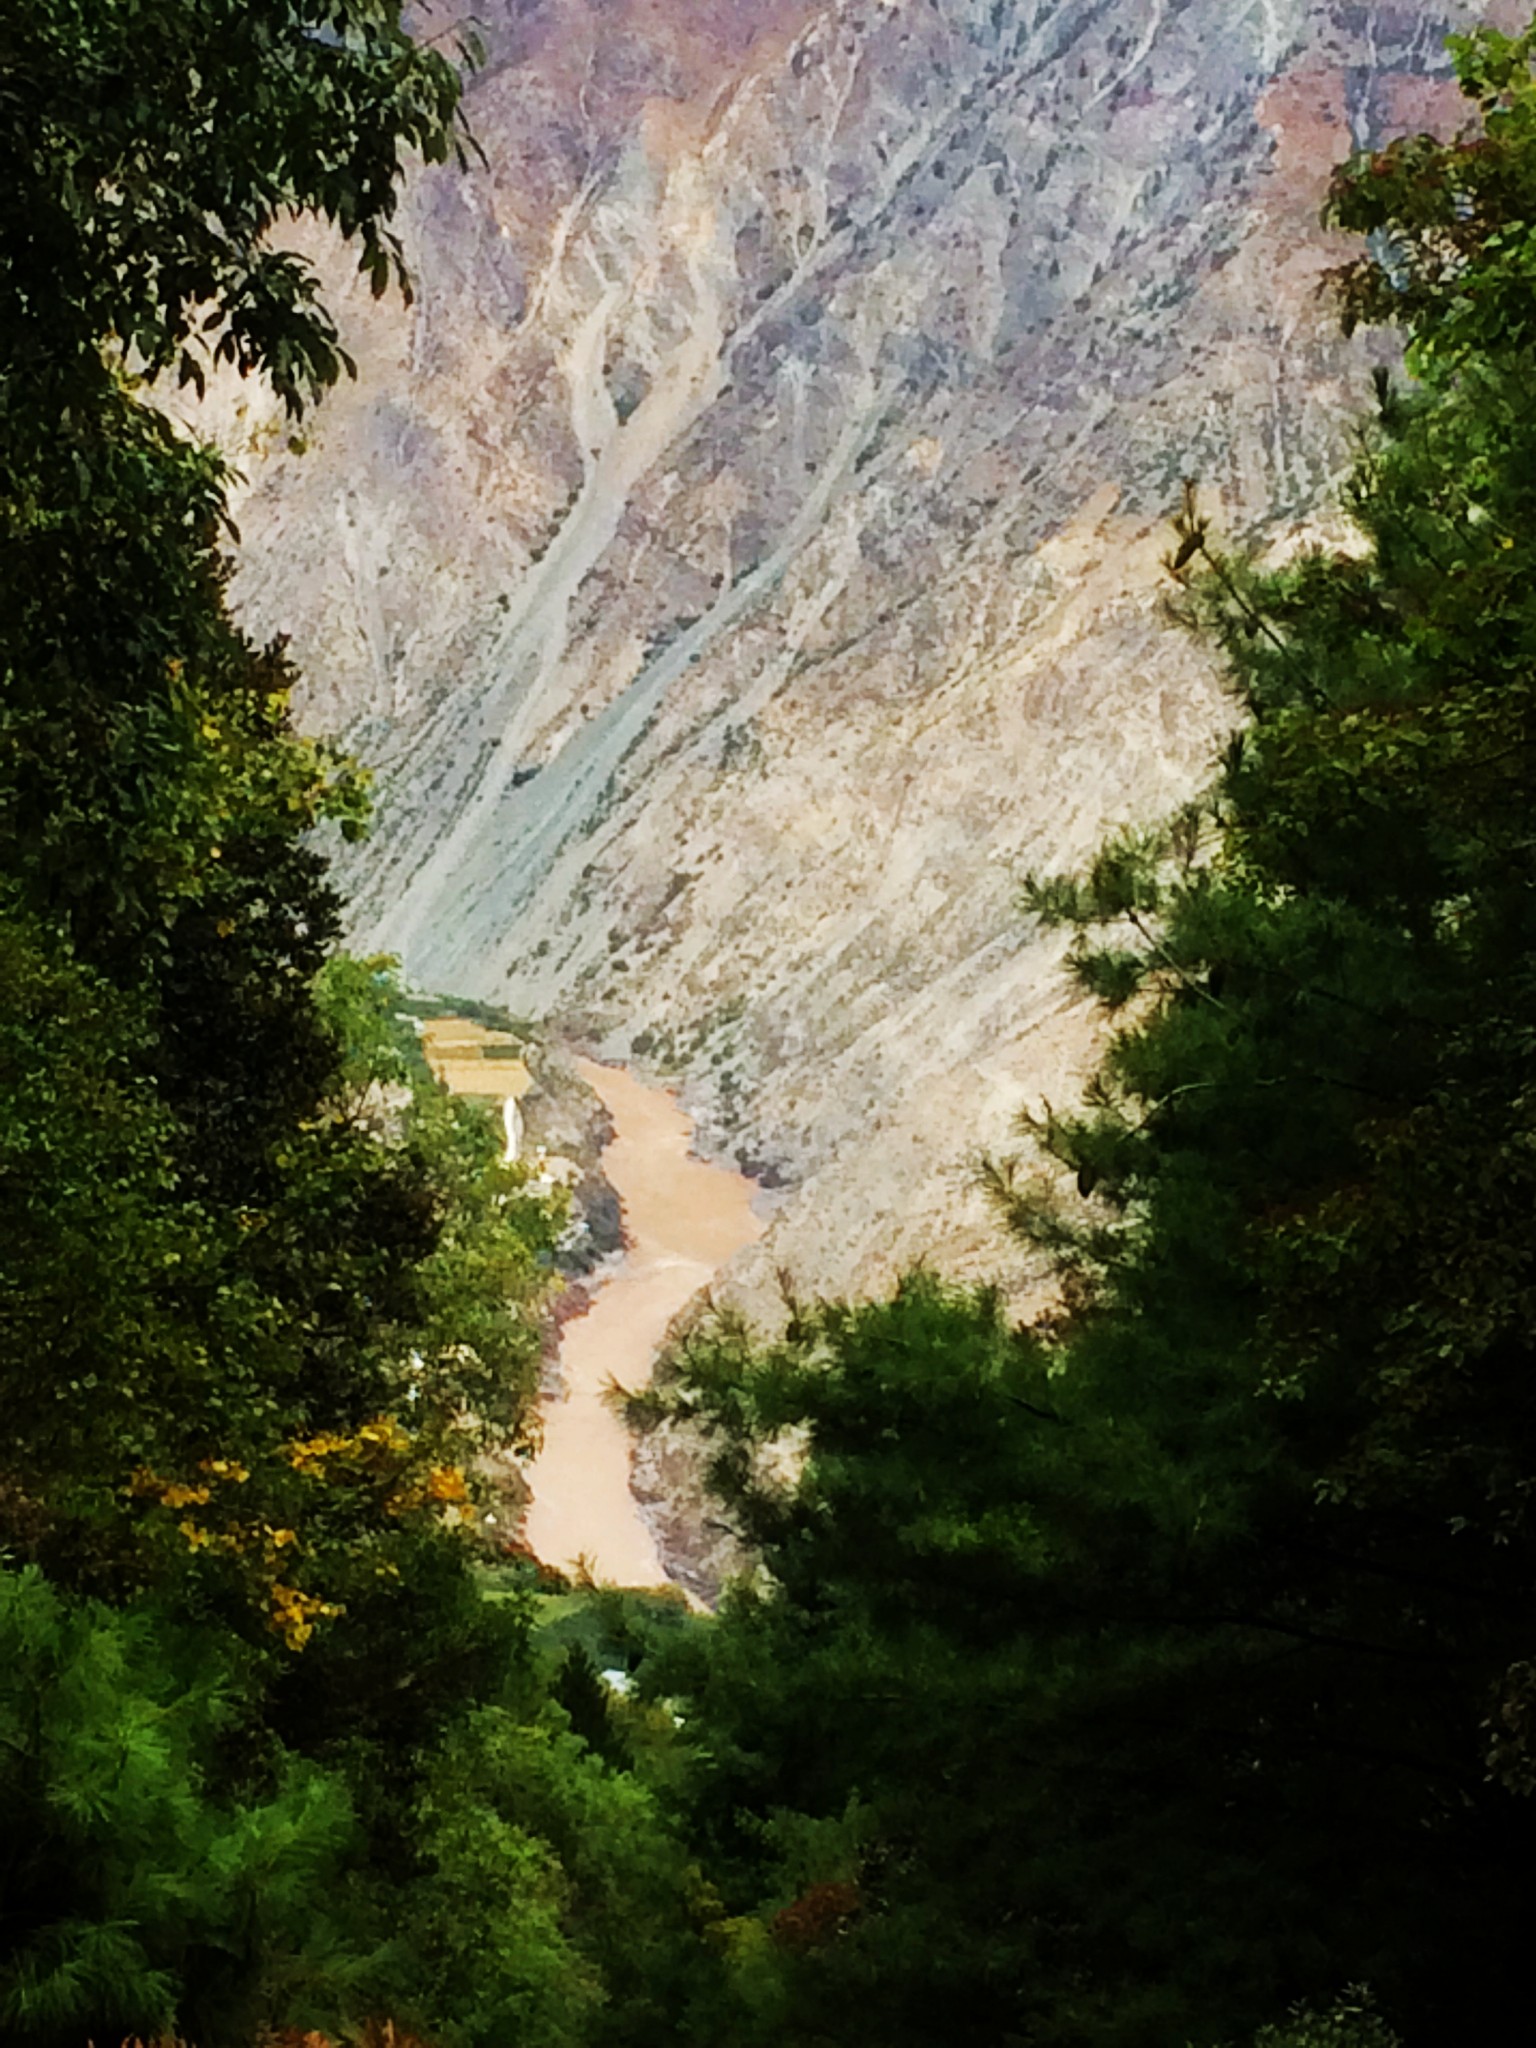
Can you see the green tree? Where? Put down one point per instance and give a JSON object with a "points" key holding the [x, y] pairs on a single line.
{"points": [[151, 147], [555, 1902], [300, 1317], [131, 1890], [267, 1757], [1352, 2023]]}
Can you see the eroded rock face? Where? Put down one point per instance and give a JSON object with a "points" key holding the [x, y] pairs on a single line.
{"points": [[742, 559]]}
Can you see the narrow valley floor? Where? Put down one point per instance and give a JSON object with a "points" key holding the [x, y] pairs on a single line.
{"points": [[683, 1218]]}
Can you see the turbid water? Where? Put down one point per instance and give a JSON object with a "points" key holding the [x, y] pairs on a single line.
{"points": [[683, 1218]]}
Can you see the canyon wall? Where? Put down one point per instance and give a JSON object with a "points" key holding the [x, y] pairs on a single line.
{"points": [[742, 560]]}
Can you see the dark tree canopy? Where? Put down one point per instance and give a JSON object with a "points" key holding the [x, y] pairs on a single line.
{"points": [[263, 1290], [149, 147]]}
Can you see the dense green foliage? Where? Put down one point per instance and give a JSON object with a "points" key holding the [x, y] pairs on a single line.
{"points": [[264, 1289], [124, 1878], [1158, 1674], [150, 145]]}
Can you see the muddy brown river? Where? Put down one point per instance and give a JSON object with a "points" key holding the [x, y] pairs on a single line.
{"points": [[683, 1218]]}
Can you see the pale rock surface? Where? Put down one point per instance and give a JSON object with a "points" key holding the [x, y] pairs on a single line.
{"points": [[742, 561]]}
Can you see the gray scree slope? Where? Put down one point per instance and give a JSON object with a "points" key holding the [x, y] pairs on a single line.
{"points": [[742, 560]]}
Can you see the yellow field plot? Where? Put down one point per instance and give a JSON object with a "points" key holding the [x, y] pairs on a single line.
{"points": [[455, 1049]]}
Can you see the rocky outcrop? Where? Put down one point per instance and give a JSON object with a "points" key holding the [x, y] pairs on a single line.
{"points": [[742, 560]]}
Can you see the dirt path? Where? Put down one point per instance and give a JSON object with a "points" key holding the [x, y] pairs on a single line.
{"points": [[683, 1219]]}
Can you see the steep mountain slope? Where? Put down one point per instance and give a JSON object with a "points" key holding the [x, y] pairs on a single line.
{"points": [[743, 558]]}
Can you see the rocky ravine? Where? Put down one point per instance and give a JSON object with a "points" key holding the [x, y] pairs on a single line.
{"points": [[742, 559]]}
